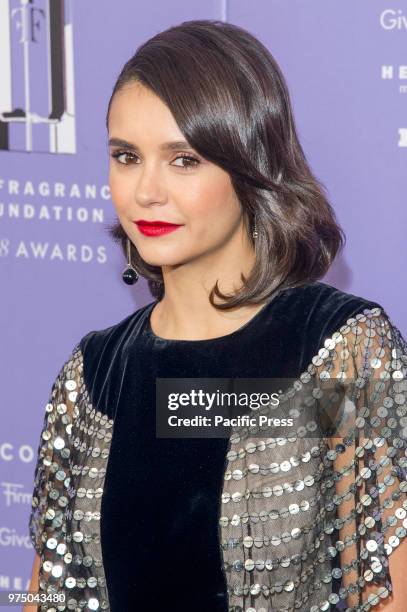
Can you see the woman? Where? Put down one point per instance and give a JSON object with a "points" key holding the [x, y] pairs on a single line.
{"points": [[219, 210]]}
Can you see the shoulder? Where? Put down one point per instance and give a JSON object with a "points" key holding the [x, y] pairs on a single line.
{"points": [[101, 355], [97, 341], [322, 305], [100, 348], [308, 315], [323, 300]]}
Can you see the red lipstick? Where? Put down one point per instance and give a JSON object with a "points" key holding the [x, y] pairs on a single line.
{"points": [[155, 228]]}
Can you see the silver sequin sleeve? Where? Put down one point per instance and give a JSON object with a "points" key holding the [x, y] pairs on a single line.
{"points": [[369, 459], [66, 504], [52, 469], [310, 520]]}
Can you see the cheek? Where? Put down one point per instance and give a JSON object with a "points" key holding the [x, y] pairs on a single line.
{"points": [[120, 191], [214, 205]]}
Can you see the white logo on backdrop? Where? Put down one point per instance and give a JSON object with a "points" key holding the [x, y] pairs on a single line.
{"points": [[403, 137], [391, 73], [50, 201], [14, 583], [14, 495], [23, 453], [9, 537], [393, 19], [36, 76]]}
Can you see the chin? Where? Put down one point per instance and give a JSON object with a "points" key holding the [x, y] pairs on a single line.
{"points": [[165, 254], [163, 261]]}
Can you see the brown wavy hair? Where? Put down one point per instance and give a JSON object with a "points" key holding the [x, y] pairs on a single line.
{"points": [[231, 102]]}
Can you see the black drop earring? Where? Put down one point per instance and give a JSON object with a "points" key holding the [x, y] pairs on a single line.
{"points": [[130, 274]]}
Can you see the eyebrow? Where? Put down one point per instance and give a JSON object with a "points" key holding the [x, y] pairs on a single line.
{"points": [[172, 145]]}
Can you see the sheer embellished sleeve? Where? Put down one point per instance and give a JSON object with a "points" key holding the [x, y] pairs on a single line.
{"points": [[52, 471], [311, 514], [367, 453]]}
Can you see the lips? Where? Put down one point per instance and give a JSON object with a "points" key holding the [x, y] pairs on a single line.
{"points": [[155, 223], [156, 228]]}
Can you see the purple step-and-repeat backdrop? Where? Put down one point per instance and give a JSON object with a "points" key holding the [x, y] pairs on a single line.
{"points": [[346, 68]]}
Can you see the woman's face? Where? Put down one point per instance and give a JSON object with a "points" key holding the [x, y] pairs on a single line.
{"points": [[155, 183]]}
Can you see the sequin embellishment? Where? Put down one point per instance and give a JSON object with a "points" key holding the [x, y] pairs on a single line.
{"points": [[308, 500], [297, 514], [68, 485]]}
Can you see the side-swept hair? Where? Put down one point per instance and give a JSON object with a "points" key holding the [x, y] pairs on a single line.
{"points": [[231, 102]]}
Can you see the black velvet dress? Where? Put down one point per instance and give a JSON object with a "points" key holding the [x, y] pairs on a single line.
{"points": [[147, 523]]}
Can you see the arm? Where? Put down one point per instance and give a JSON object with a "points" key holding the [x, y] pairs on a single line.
{"points": [[52, 475], [33, 583], [370, 473], [395, 601]]}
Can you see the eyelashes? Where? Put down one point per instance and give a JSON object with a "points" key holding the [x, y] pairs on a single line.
{"points": [[192, 161]]}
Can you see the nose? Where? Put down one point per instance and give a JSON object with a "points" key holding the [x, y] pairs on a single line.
{"points": [[149, 186]]}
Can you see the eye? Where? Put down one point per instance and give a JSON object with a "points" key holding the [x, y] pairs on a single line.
{"points": [[192, 162], [118, 154], [123, 158]]}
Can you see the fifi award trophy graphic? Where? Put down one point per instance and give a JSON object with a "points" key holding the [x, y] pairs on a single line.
{"points": [[37, 105]]}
